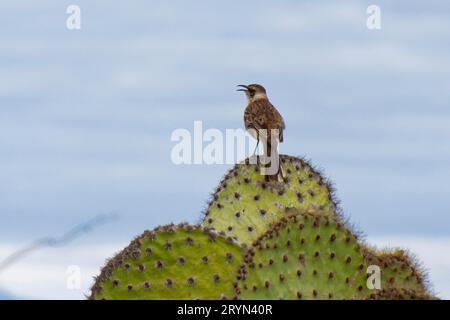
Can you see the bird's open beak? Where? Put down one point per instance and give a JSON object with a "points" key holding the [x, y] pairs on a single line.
{"points": [[243, 86]]}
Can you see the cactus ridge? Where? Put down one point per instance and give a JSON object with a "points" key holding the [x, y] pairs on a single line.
{"points": [[171, 262], [246, 203]]}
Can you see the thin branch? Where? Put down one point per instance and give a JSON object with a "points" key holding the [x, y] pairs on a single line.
{"points": [[72, 234]]}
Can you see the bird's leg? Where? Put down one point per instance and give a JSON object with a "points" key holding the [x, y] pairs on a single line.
{"points": [[256, 148]]}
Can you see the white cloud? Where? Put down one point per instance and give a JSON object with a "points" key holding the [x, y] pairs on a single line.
{"points": [[42, 275]]}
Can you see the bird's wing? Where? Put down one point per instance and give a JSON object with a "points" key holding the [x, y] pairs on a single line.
{"points": [[278, 123], [261, 114]]}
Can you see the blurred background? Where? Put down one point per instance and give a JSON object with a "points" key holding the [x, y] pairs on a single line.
{"points": [[86, 118]]}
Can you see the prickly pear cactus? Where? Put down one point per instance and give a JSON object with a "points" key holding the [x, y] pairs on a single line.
{"points": [[304, 256], [261, 239], [171, 262], [246, 203]]}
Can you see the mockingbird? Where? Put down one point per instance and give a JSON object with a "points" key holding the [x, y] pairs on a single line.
{"points": [[264, 122]]}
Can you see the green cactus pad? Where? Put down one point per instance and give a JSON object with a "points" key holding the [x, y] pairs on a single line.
{"points": [[304, 256], [171, 262], [247, 203], [399, 271]]}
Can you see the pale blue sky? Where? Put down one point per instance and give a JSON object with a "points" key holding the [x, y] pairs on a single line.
{"points": [[86, 116]]}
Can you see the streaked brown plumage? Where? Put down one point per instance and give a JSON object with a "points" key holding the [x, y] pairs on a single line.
{"points": [[261, 116]]}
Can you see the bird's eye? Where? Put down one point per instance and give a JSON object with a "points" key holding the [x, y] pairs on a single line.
{"points": [[252, 93]]}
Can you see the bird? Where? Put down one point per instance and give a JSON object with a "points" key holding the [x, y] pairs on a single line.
{"points": [[263, 121]]}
